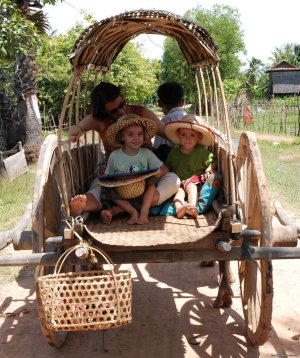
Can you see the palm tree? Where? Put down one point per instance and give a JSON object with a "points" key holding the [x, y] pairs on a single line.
{"points": [[25, 71], [289, 52], [254, 71]]}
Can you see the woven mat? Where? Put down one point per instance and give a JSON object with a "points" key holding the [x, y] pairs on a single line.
{"points": [[160, 231]]}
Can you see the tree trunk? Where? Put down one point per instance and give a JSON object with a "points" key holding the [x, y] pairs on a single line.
{"points": [[5, 110], [29, 114]]}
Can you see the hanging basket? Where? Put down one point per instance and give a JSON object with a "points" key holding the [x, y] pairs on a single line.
{"points": [[88, 300]]}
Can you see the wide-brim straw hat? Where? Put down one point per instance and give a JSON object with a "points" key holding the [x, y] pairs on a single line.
{"points": [[115, 180], [150, 128], [190, 121], [128, 185]]}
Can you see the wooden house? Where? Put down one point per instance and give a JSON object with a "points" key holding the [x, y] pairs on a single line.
{"points": [[284, 79]]}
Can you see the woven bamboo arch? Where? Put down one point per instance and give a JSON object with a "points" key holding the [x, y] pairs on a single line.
{"points": [[91, 58], [101, 43]]}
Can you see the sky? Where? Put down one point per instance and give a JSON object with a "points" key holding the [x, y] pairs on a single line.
{"points": [[265, 23]]}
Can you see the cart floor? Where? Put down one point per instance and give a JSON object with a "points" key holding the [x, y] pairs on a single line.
{"points": [[160, 232]]}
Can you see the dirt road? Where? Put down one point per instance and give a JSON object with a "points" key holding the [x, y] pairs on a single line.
{"points": [[171, 307]]}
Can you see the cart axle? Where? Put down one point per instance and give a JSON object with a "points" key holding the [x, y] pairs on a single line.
{"points": [[160, 256]]}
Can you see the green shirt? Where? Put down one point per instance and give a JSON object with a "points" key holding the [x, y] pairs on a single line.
{"points": [[185, 165]]}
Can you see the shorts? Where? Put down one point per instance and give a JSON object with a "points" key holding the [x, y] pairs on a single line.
{"points": [[167, 186], [95, 190]]}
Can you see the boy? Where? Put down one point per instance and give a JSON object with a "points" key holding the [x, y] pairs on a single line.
{"points": [[170, 99], [191, 161]]}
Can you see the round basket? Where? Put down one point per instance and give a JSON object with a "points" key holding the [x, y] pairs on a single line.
{"points": [[131, 191]]}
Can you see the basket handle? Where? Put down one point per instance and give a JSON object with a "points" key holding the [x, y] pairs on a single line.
{"points": [[64, 256], [108, 260]]}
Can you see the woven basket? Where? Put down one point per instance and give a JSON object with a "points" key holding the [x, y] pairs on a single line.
{"points": [[88, 300], [131, 191]]}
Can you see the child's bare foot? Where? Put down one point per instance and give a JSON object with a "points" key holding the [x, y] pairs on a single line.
{"points": [[143, 219], [106, 216], [192, 210], [180, 212], [133, 218], [77, 204]]}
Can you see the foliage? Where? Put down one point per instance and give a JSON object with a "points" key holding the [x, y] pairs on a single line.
{"points": [[17, 34], [289, 52], [55, 70], [135, 74], [254, 72], [261, 89], [175, 68], [223, 24], [233, 87], [20, 28]]}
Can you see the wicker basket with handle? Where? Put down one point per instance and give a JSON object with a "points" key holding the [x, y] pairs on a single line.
{"points": [[87, 300]]}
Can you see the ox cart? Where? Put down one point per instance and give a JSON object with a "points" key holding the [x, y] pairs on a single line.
{"points": [[240, 226]]}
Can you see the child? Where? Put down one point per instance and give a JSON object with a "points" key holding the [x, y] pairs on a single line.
{"points": [[129, 133], [170, 99], [191, 161]]}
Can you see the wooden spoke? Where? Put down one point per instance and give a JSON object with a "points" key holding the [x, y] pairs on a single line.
{"points": [[255, 276]]}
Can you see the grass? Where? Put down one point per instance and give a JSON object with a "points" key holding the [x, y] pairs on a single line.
{"points": [[14, 197], [281, 162]]}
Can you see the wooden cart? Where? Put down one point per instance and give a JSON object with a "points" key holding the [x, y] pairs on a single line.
{"points": [[241, 226]]}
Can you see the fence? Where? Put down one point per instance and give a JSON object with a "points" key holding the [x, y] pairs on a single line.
{"points": [[267, 117], [52, 128]]}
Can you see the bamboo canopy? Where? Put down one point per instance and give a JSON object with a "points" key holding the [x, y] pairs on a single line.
{"points": [[101, 43]]}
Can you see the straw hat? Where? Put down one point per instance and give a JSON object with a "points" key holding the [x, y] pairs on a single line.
{"points": [[128, 185], [190, 121], [113, 180], [150, 128]]}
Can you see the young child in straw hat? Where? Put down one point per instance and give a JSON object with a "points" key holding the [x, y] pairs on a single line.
{"points": [[191, 160], [129, 133]]}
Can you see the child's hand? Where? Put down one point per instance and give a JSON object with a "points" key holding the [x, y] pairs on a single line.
{"points": [[158, 173], [161, 171], [205, 175]]}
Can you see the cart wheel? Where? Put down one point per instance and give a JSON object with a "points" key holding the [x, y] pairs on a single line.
{"points": [[41, 202], [256, 281]]}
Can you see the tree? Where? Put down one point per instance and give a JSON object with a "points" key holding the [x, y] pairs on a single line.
{"points": [[223, 24], [21, 17], [254, 72], [135, 74], [55, 70], [289, 52], [175, 67]]}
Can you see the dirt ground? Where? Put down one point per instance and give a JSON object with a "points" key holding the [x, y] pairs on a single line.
{"points": [[172, 317], [172, 308]]}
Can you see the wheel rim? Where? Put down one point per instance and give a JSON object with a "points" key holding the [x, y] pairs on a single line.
{"points": [[255, 276]]}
